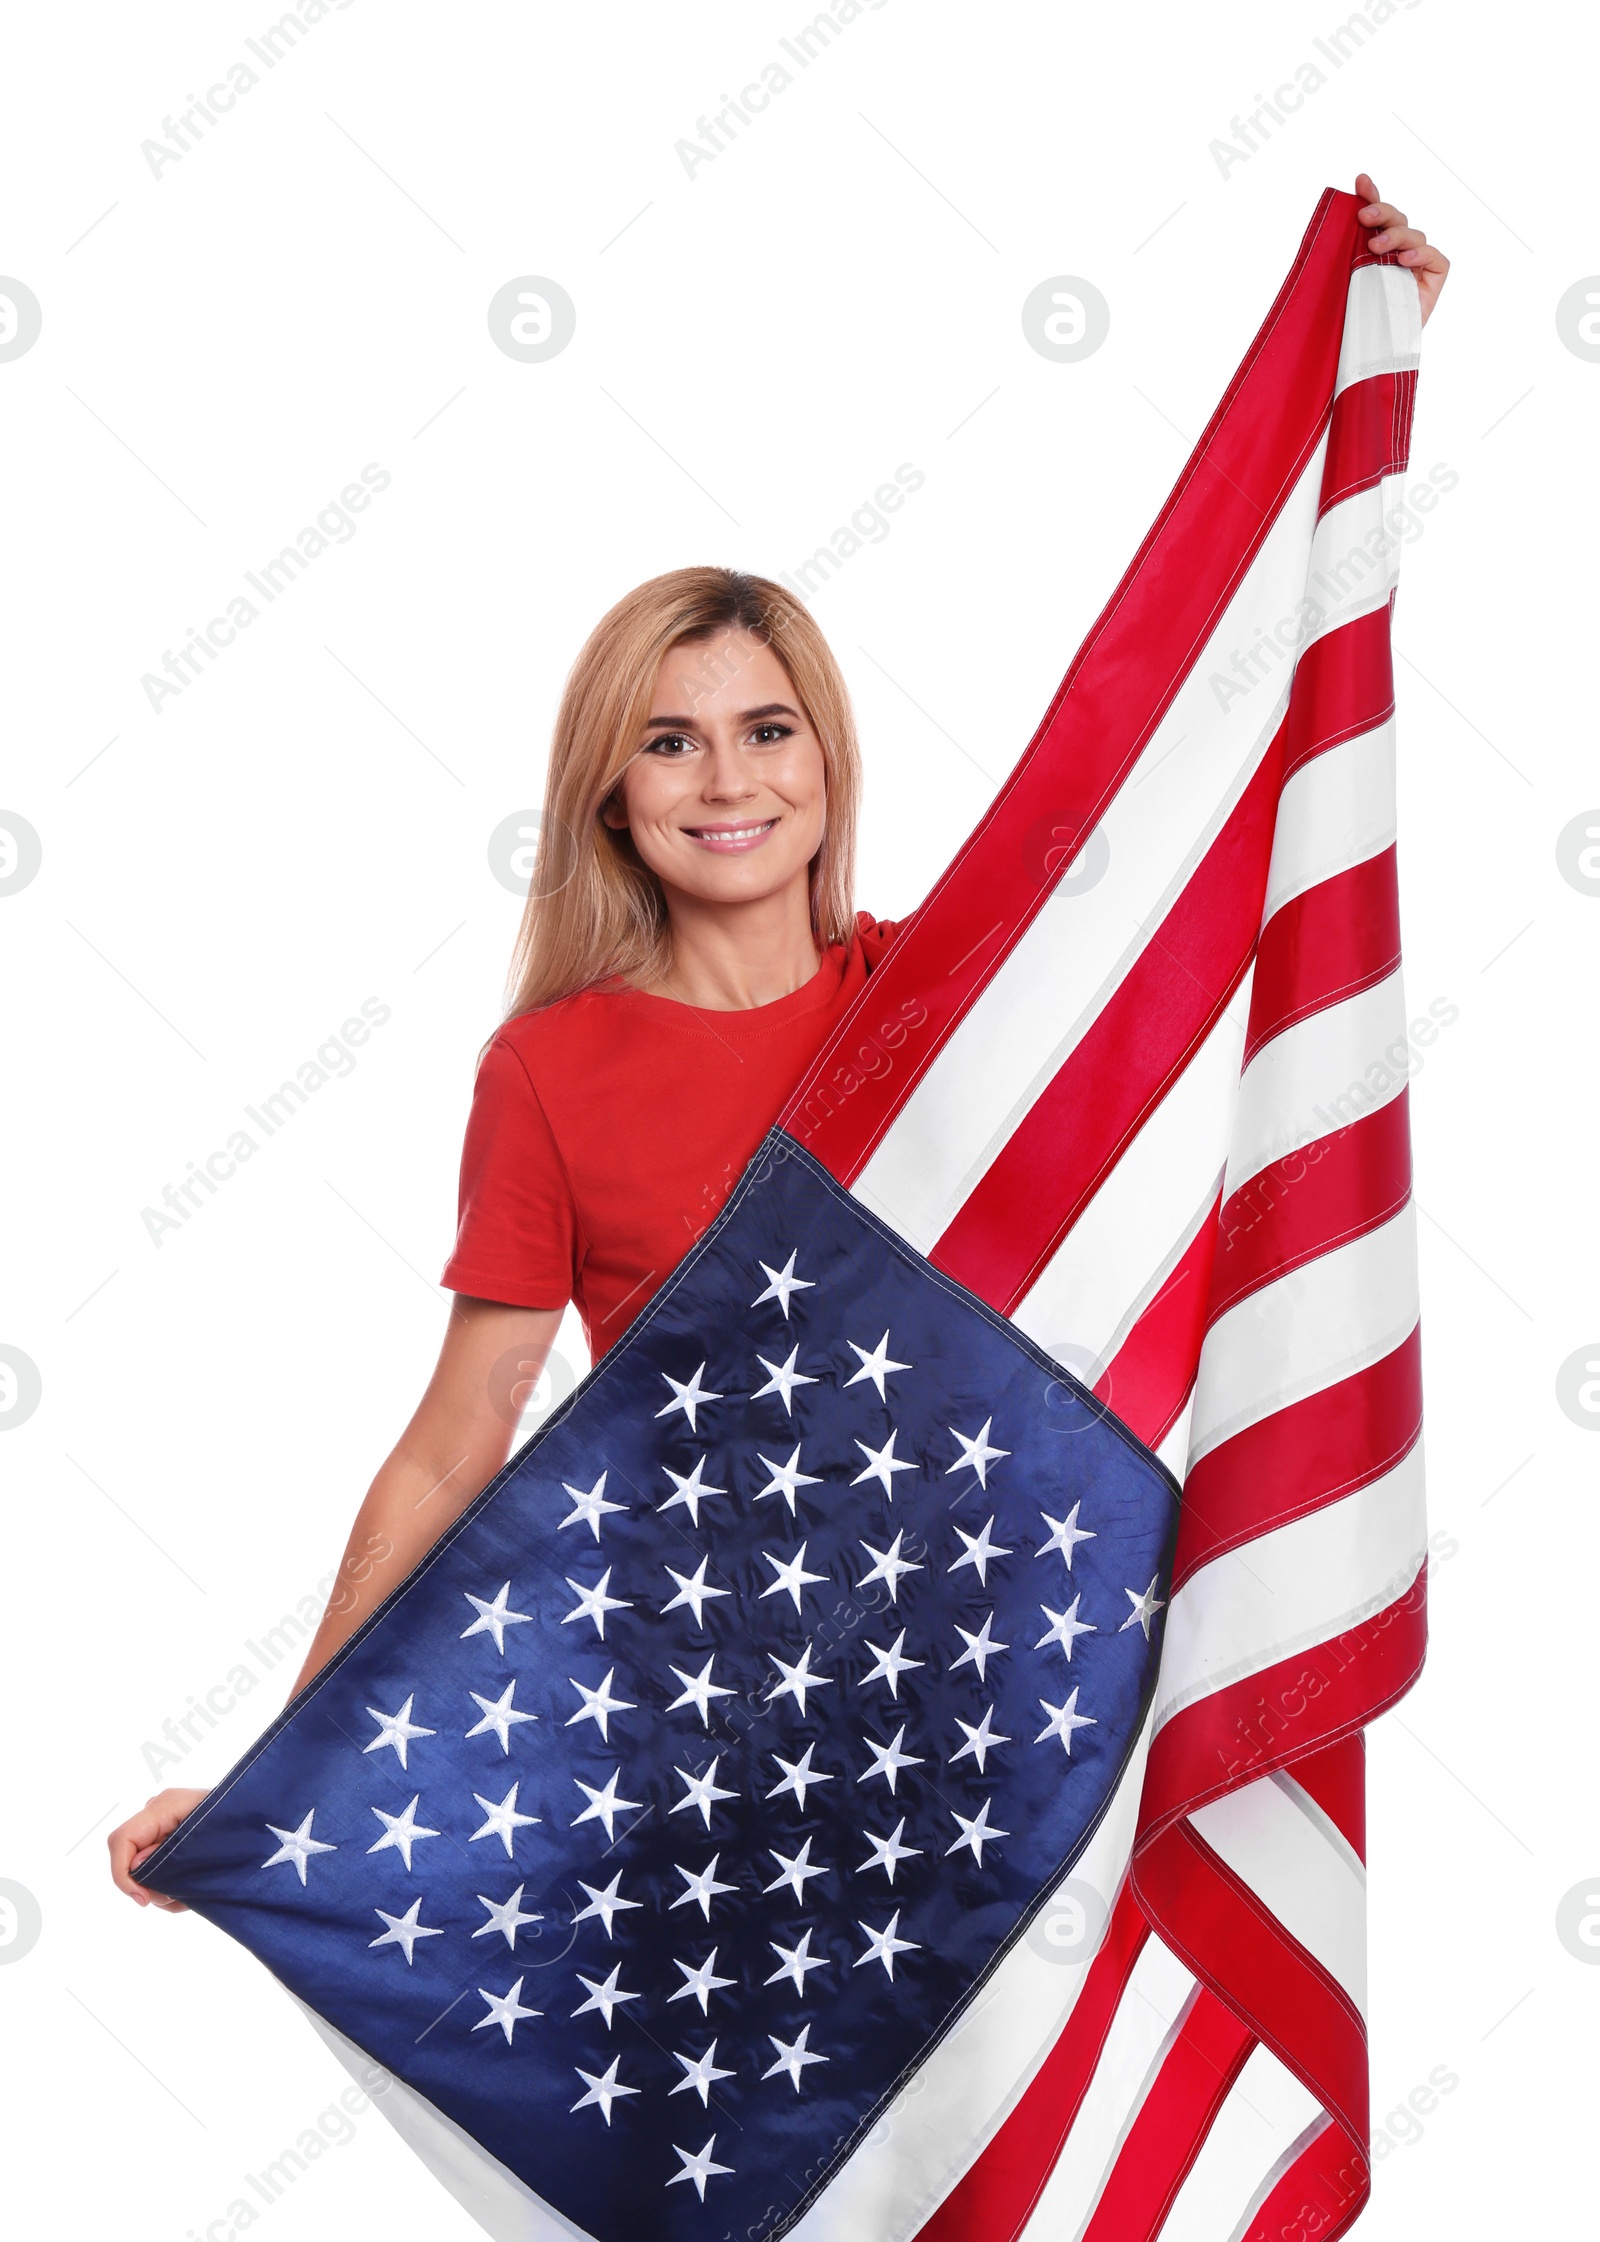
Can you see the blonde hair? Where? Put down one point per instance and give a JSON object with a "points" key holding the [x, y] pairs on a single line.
{"points": [[595, 909]]}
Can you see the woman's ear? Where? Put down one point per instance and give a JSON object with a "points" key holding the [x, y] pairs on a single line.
{"points": [[613, 811]]}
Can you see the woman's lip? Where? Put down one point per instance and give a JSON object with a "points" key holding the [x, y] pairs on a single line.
{"points": [[730, 840]]}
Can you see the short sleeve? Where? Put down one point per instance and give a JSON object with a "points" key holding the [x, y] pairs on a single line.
{"points": [[517, 1238]]}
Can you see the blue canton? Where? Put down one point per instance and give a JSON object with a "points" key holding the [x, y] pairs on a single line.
{"points": [[668, 1815]]}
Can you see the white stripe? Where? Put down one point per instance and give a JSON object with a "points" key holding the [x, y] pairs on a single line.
{"points": [[1279, 1843], [1355, 559], [1174, 1449], [1264, 2118], [1336, 811], [1157, 1994], [1079, 949], [1382, 325], [489, 2194], [1305, 1331], [951, 2108], [1319, 1075], [1300, 1584], [1106, 1266]]}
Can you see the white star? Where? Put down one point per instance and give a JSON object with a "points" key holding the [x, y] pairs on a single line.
{"points": [[604, 1904], [700, 1983], [980, 1740], [505, 2009], [494, 1618], [297, 1846], [980, 1647], [885, 1945], [891, 1664], [888, 1565], [702, 1791], [978, 1552], [588, 1510], [698, 2167], [887, 1852], [395, 1729], [604, 1806], [975, 1832], [786, 1478], [792, 1577], [782, 1378], [598, 1704], [703, 1888], [603, 1995], [976, 1452], [700, 2074], [794, 1961], [692, 1588], [796, 1870], [1065, 1627], [888, 1759], [881, 1464], [698, 1690], [1065, 1534], [503, 1821], [506, 1917], [797, 1679], [603, 2090], [593, 1603], [1064, 1721], [792, 2056], [690, 1492], [874, 1365], [1144, 1609], [400, 1831], [797, 1775], [498, 1714], [403, 1930], [780, 1283], [687, 1397]]}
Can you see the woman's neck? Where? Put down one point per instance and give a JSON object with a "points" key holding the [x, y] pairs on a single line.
{"points": [[732, 957]]}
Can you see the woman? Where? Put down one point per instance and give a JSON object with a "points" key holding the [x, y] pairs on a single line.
{"points": [[688, 946]]}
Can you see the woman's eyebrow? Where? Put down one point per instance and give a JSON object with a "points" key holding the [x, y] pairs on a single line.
{"points": [[746, 716]]}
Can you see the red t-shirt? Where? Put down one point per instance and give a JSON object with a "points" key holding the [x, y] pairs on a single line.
{"points": [[607, 1130]]}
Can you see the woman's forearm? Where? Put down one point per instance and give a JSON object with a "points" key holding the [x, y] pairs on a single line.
{"points": [[406, 1509], [460, 1436]]}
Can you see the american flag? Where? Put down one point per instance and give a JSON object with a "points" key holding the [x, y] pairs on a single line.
{"points": [[885, 1759]]}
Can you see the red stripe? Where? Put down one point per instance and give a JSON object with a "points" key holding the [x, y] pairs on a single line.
{"points": [[1148, 1379], [1317, 1197], [1317, 2198], [1254, 448], [1277, 1716], [1324, 945], [1082, 1120], [1343, 686], [1301, 1457], [1336, 1778], [1194, 2081], [1217, 1926], [1369, 435], [996, 2197]]}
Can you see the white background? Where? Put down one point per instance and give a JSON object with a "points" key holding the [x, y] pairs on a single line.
{"points": [[223, 882]]}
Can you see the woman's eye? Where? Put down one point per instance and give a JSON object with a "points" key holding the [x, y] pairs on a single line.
{"points": [[767, 735], [669, 743]]}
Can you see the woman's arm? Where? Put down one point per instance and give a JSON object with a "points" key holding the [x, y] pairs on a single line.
{"points": [[455, 1443]]}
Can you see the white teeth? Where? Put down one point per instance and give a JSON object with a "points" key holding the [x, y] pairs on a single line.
{"points": [[735, 832]]}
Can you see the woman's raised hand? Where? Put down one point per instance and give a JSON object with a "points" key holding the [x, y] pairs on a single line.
{"points": [[1415, 249]]}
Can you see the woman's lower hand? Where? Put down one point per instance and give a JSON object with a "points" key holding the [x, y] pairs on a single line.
{"points": [[140, 1834]]}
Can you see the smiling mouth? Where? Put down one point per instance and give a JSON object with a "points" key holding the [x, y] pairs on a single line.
{"points": [[729, 838]]}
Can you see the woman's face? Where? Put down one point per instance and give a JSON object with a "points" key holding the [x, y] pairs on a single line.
{"points": [[726, 796]]}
